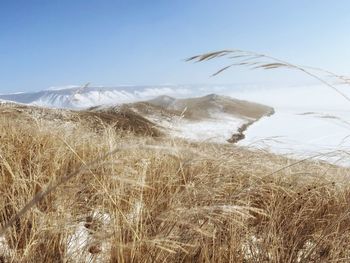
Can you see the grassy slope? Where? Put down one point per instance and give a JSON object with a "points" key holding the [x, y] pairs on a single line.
{"points": [[157, 200]]}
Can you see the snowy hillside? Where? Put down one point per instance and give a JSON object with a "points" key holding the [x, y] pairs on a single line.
{"points": [[211, 118]]}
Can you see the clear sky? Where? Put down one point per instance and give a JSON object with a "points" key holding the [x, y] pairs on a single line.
{"points": [[62, 42]]}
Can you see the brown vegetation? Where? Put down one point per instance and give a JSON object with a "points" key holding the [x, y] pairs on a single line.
{"points": [[120, 118], [156, 200]]}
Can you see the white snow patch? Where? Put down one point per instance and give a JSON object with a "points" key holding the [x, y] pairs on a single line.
{"points": [[219, 128], [5, 249], [82, 238], [77, 247]]}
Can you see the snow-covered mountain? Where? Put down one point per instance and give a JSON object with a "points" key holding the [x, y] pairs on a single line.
{"points": [[75, 97], [79, 97]]}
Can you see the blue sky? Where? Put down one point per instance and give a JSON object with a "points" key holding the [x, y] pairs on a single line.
{"points": [[55, 43]]}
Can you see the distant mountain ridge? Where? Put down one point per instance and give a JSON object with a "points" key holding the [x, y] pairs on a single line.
{"points": [[80, 97], [85, 97]]}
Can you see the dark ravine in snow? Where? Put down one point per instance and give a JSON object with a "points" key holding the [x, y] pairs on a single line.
{"points": [[239, 135]]}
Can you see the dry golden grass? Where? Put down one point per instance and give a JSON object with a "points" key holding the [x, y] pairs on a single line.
{"points": [[157, 200], [120, 117]]}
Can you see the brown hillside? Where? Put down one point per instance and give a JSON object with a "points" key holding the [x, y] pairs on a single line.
{"points": [[119, 118], [202, 107]]}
